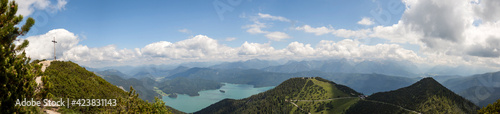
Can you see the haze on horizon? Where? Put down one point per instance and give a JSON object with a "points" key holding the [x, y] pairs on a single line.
{"points": [[116, 33]]}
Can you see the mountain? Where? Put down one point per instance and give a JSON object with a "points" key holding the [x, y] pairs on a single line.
{"points": [[114, 72], [388, 67], [311, 94], [70, 81], [462, 70], [371, 83], [142, 86], [179, 69], [482, 89], [365, 83], [481, 96], [249, 64], [146, 86], [294, 66], [491, 79], [425, 96]]}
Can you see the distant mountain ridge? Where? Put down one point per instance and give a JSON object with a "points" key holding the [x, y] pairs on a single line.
{"points": [[388, 67], [481, 89]]}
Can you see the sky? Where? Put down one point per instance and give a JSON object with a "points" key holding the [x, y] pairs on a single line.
{"points": [[115, 33]]}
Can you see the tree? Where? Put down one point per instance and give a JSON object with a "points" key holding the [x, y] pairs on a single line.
{"points": [[493, 108], [16, 73]]}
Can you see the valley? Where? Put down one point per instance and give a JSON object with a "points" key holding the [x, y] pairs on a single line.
{"points": [[195, 81]]}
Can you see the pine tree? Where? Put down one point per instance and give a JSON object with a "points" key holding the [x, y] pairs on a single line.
{"points": [[493, 108], [16, 73]]}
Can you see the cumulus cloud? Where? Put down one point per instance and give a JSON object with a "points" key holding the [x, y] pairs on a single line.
{"points": [[256, 49], [490, 48], [198, 47], [277, 36], [487, 10], [317, 31], [41, 46], [202, 48], [106, 53], [301, 49], [365, 21], [466, 29], [68, 48], [27, 7]]}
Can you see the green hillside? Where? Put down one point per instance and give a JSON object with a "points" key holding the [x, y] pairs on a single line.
{"points": [[145, 92], [425, 96], [69, 80], [315, 95]]}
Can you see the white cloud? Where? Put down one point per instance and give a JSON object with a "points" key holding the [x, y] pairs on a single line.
{"points": [[41, 47], [362, 33], [198, 47], [27, 7], [185, 31], [107, 53], [257, 26], [278, 18], [230, 39], [277, 36], [487, 10], [68, 48], [447, 31], [202, 48], [317, 31], [366, 21], [256, 49], [300, 49]]}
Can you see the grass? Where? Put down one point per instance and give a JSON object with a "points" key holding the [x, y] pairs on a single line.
{"points": [[334, 92], [329, 107], [320, 90], [159, 91]]}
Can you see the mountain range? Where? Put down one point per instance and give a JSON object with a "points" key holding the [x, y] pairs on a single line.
{"points": [[318, 95], [298, 92], [364, 83]]}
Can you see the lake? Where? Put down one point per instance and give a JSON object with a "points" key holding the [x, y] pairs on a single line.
{"points": [[189, 104]]}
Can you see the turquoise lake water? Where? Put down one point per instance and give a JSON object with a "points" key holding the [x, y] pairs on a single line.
{"points": [[189, 104]]}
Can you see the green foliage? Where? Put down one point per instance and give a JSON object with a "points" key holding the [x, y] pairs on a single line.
{"points": [[69, 80], [16, 73], [144, 87], [491, 108], [133, 104], [364, 106], [336, 106]]}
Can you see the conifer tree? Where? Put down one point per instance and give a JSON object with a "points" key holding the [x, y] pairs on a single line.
{"points": [[16, 73], [493, 108]]}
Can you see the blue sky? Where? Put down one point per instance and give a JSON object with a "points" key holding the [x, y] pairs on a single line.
{"points": [[134, 24], [113, 33]]}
